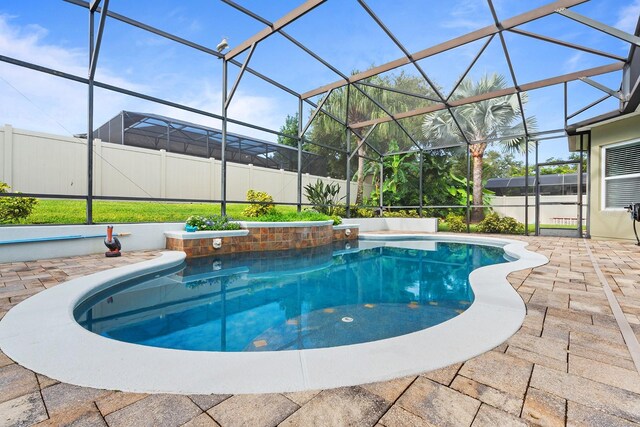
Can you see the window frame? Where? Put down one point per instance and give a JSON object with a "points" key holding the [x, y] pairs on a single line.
{"points": [[604, 178]]}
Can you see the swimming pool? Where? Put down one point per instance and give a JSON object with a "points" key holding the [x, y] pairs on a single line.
{"points": [[42, 334], [292, 300]]}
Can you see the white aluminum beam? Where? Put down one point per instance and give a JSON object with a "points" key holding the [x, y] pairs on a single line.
{"points": [[603, 88], [279, 24], [629, 38], [616, 66], [453, 43]]}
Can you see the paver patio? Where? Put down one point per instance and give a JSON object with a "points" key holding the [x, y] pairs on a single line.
{"points": [[568, 364]]}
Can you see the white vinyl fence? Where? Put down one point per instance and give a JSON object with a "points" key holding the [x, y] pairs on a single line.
{"points": [[33, 162], [557, 213]]}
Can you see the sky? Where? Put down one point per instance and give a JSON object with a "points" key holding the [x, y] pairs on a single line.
{"points": [[53, 33]]}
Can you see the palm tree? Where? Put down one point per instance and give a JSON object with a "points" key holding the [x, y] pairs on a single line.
{"points": [[491, 119], [361, 108]]}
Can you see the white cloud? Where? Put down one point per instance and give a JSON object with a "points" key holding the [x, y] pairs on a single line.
{"points": [[259, 110], [466, 24], [467, 15], [27, 43], [574, 62], [37, 101], [191, 25], [628, 17], [256, 109]]}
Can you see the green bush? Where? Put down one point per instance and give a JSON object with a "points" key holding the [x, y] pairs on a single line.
{"points": [[493, 223], [13, 209], [336, 219], [362, 213], [277, 216], [324, 198], [263, 207], [213, 222], [356, 212], [401, 214], [456, 223]]}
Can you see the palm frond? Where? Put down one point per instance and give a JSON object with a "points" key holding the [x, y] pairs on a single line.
{"points": [[483, 120]]}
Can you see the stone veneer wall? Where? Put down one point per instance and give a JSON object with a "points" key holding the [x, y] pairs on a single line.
{"points": [[262, 239], [339, 234]]}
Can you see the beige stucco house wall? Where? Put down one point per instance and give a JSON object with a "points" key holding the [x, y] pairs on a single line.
{"points": [[610, 223]]}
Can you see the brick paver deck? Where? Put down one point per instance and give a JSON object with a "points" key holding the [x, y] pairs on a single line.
{"points": [[568, 364]]}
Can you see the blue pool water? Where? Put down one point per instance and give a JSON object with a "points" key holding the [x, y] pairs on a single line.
{"points": [[289, 300]]}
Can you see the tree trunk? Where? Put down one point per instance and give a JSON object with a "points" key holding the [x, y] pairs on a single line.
{"points": [[360, 188], [477, 214]]}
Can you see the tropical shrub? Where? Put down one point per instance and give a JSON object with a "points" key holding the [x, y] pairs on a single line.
{"points": [[261, 204], [458, 190], [336, 219], [493, 223], [213, 222], [401, 214], [456, 223], [13, 209], [323, 197], [400, 170], [356, 212]]}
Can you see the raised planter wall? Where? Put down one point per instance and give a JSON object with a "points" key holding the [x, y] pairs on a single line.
{"points": [[42, 242], [259, 236]]}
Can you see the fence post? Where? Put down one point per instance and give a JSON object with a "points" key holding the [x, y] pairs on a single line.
{"points": [[7, 175], [163, 173], [282, 183], [212, 178], [97, 166], [251, 184]]}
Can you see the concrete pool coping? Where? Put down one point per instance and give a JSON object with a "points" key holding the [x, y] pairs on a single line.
{"points": [[42, 335]]}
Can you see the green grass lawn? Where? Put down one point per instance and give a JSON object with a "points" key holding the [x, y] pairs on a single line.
{"points": [[73, 211]]}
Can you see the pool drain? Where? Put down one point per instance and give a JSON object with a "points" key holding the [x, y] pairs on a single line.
{"points": [[347, 319]]}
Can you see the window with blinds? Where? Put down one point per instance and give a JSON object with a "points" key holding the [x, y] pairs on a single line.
{"points": [[622, 175]]}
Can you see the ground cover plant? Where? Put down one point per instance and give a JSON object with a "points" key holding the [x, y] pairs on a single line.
{"points": [[289, 216], [211, 222]]}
